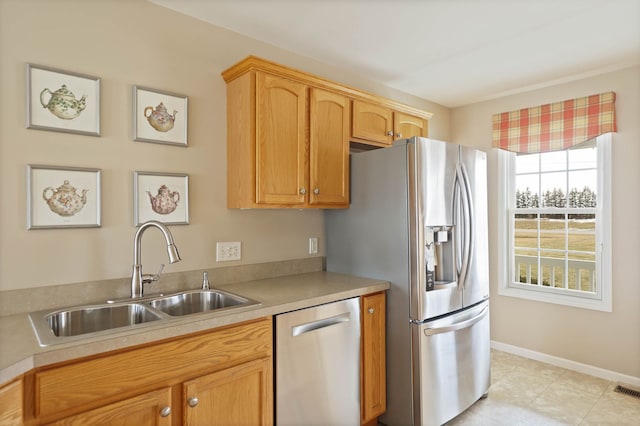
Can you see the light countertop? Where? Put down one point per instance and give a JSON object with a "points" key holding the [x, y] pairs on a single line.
{"points": [[20, 351]]}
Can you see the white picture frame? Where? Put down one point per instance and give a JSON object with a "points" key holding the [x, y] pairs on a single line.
{"points": [[161, 196], [159, 116], [62, 101], [63, 197]]}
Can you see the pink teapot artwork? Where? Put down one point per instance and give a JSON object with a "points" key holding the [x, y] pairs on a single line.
{"points": [[64, 200], [165, 202], [159, 118]]}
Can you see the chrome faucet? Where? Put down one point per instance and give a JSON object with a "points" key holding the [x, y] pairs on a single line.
{"points": [[205, 281], [137, 279]]}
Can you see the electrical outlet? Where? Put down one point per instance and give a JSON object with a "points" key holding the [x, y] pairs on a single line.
{"points": [[313, 245], [226, 251]]}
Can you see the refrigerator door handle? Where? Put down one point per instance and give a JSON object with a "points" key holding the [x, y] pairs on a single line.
{"points": [[465, 224], [321, 323], [469, 220], [458, 221], [457, 326]]}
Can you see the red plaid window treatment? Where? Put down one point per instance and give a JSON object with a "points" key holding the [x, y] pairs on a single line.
{"points": [[556, 126]]}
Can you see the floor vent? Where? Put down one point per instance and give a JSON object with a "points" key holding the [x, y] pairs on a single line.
{"points": [[627, 391]]}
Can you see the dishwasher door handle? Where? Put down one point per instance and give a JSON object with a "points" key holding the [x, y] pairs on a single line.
{"points": [[315, 325]]}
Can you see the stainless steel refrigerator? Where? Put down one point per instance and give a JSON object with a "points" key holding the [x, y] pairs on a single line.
{"points": [[418, 219]]}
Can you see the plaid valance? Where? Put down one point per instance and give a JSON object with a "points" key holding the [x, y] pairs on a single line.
{"points": [[556, 126]]}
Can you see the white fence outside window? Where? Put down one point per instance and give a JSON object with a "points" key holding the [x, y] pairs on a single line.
{"points": [[580, 275]]}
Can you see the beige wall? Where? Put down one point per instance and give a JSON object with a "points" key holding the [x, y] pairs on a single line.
{"points": [[606, 340], [129, 43]]}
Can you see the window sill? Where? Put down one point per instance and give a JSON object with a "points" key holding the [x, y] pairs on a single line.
{"points": [[557, 299]]}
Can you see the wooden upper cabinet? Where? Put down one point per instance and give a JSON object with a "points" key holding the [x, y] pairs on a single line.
{"points": [[288, 144], [281, 146], [407, 125], [329, 149], [381, 126], [288, 135], [372, 123]]}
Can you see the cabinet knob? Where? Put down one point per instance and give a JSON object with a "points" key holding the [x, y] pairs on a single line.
{"points": [[193, 401], [316, 191], [165, 412], [371, 310], [390, 133], [398, 135], [303, 191]]}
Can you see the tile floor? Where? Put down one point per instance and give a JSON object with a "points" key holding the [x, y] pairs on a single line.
{"points": [[526, 392]]}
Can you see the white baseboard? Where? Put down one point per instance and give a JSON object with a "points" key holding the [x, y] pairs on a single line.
{"points": [[568, 364]]}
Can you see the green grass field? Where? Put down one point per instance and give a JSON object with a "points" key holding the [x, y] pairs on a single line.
{"points": [[554, 236]]}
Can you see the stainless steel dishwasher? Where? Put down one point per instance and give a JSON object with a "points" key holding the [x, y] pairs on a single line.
{"points": [[318, 365]]}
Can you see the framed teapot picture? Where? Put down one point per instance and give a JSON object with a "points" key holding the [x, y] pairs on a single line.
{"points": [[161, 196], [62, 101], [159, 117], [62, 197]]}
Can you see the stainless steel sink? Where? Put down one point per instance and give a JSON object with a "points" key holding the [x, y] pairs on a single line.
{"points": [[72, 323], [80, 322], [91, 319], [198, 301]]}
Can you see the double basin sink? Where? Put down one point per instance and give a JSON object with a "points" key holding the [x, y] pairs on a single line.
{"points": [[64, 325]]}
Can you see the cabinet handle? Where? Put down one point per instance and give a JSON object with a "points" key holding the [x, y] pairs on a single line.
{"points": [[165, 412], [390, 133], [316, 191], [303, 191], [398, 135], [371, 310], [193, 401]]}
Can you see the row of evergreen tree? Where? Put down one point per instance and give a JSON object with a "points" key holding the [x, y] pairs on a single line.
{"points": [[584, 198]]}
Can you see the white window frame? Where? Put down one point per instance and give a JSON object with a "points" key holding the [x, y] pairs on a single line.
{"points": [[602, 299]]}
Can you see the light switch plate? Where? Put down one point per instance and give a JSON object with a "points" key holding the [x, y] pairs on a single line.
{"points": [[226, 251], [313, 245]]}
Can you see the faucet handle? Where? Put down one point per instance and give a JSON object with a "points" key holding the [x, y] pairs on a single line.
{"points": [[205, 280], [149, 278]]}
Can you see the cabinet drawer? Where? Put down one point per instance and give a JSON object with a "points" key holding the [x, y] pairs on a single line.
{"points": [[92, 382]]}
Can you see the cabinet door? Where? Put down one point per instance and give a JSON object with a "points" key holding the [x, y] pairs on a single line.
{"points": [[373, 393], [240, 395], [329, 149], [406, 125], [11, 404], [372, 122], [281, 146], [153, 408]]}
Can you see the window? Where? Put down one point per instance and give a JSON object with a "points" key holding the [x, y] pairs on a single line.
{"points": [[555, 225]]}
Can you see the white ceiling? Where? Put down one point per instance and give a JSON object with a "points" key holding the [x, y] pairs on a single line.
{"points": [[453, 52]]}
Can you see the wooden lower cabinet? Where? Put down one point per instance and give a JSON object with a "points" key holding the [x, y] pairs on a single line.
{"points": [[149, 409], [220, 377], [11, 403], [224, 376], [240, 395], [373, 375]]}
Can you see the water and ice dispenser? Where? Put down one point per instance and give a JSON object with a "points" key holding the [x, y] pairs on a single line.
{"points": [[439, 257]]}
